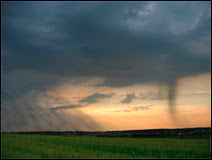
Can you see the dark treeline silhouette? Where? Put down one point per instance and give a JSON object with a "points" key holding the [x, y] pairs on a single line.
{"points": [[127, 133]]}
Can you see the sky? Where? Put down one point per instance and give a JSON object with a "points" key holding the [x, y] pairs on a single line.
{"points": [[98, 66]]}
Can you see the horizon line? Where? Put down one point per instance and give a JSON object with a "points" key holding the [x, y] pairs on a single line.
{"points": [[108, 130]]}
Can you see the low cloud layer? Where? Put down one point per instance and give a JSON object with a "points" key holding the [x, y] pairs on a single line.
{"points": [[129, 98], [153, 96], [132, 109], [95, 97], [141, 108], [65, 107]]}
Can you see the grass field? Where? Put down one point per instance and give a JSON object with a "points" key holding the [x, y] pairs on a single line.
{"points": [[43, 146]]}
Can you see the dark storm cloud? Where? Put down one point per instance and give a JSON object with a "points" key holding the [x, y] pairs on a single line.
{"points": [[129, 98], [124, 42], [18, 83], [96, 97]]}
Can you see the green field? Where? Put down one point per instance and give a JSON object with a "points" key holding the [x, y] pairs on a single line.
{"points": [[42, 146]]}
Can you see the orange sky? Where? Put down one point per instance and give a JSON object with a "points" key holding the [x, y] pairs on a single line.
{"points": [[193, 104]]}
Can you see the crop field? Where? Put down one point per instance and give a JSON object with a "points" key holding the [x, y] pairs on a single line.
{"points": [[45, 146]]}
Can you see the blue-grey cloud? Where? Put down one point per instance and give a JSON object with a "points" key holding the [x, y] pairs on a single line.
{"points": [[65, 107], [141, 108], [153, 96], [125, 110], [129, 98], [131, 109], [96, 97]]}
